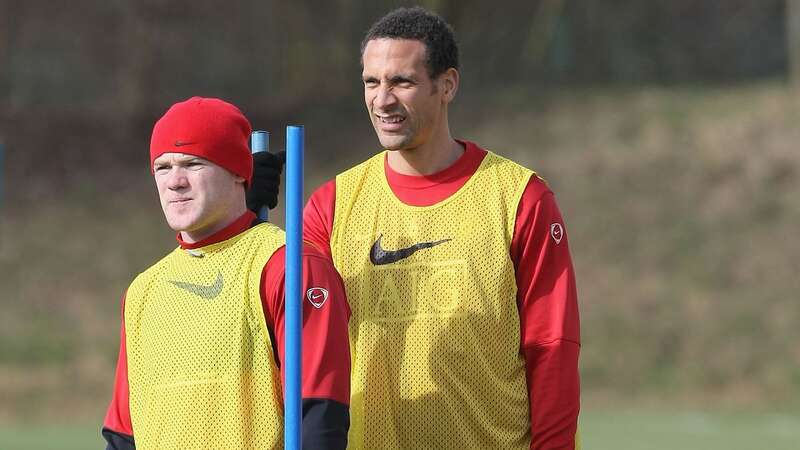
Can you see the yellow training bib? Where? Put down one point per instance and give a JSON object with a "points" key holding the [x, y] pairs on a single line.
{"points": [[434, 332], [201, 369]]}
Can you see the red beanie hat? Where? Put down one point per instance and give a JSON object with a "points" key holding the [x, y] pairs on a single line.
{"points": [[209, 128]]}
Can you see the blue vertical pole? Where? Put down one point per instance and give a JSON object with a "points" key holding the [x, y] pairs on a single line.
{"points": [[259, 142], [294, 296]]}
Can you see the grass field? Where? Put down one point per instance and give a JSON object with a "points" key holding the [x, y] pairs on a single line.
{"points": [[642, 430], [601, 430]]}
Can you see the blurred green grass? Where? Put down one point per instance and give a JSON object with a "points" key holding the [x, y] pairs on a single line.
{"points": [[50, 437], [649, 430], [600, 430]]}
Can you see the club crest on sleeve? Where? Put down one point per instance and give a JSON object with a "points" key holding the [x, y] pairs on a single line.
{"points": [[317, 296], [557, 232]]}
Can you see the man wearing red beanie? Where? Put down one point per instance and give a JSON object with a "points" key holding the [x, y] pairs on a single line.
{"points": [[202, 332]]}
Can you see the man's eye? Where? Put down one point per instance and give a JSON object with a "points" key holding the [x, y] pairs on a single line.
{"points": [[160, 168]]}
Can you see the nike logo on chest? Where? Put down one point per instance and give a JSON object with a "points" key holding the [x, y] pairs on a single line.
{"points": [[207, 292], [379, 256]]}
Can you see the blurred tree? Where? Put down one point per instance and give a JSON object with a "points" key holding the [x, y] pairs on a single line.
{"points": [[5, 47], [793, 38], [674, 42], [136, 70], [114, 64], [541, 34], [133, 56]]}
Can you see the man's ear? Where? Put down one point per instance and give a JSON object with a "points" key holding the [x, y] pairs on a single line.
{"points": [[449, 80]]}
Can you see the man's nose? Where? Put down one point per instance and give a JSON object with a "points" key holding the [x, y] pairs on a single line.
{"points": [[384, 98], [177, 179]]}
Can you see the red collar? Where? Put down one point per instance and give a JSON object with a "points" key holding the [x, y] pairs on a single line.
{"points": [[237, 226], [428, 190], [462, 169]]}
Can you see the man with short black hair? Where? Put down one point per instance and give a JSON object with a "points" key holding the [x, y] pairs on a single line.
{"points": [[464, 327]]}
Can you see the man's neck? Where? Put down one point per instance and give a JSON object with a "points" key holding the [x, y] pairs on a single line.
{"points": [[427, 159], [194, 236]]}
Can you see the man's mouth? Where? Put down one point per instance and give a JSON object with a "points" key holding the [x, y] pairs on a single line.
{"points": [[391, 119], [390, 123]]}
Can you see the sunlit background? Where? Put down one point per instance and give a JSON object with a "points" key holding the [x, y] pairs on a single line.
{"points": [[668, 130]]}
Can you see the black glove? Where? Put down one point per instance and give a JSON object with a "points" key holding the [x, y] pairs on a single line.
{"points": [[267, 168]]}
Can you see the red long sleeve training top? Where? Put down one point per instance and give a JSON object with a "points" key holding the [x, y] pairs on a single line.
{"points": [[546, 293]]}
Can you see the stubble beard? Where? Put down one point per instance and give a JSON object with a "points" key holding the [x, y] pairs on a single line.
{"points": [[395, 142]]}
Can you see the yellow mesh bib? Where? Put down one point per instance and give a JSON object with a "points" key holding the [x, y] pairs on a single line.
{"points": [[200, 364], [434, 332]]}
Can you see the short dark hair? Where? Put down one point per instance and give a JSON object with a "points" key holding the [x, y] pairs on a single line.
{"points": [[441, 51]]}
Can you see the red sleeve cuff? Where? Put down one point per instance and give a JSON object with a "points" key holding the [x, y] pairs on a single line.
{"points": [[554, 394]]}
